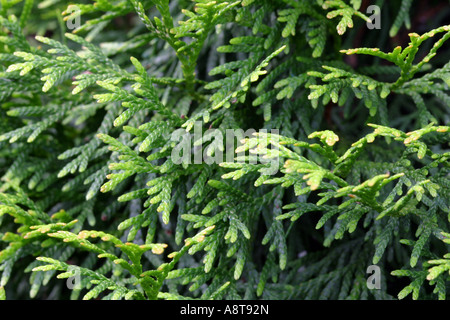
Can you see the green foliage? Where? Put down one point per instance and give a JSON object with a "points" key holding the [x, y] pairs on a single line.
{"points": [[347, 165]]}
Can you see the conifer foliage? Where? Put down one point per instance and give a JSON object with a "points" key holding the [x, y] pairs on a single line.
{"points": [[348, 166]]}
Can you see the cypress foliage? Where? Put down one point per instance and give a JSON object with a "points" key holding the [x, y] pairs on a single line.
{"points": [[347, 166]]}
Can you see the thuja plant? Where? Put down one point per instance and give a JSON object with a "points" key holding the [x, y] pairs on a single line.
{"points": [[244, 149]]}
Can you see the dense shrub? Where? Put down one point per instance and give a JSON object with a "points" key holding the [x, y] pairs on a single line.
{"points": [[128, 166]]}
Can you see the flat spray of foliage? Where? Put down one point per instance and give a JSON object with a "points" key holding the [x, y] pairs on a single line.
{"points": [[89, 189]]}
